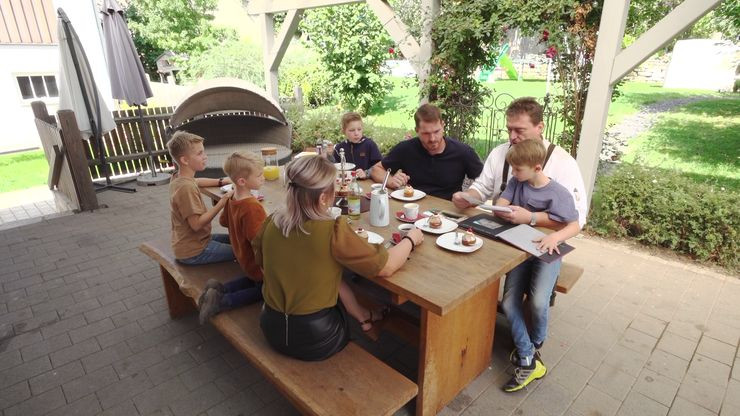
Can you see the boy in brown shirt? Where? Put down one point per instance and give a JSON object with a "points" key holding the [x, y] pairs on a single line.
{"points": [[192, 241], [243, 216]]}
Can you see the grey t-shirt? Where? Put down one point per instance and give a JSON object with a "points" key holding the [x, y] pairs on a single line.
{"points": [[552, 198]]}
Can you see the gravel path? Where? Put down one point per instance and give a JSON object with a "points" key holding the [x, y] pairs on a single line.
{"points": [[617, 136]]}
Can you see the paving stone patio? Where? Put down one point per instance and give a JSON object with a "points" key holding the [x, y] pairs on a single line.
{"points": [[84, 330]]}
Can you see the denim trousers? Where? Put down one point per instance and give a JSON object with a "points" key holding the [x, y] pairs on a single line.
{"points": [[537, 279], [239, 292], [217, 250]]}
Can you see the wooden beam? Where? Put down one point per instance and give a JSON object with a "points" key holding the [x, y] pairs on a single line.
{"points": [[675, 22], [268, 40], [283, 40], [278, 6], [398, 32], [609, 43], [429, 13]]}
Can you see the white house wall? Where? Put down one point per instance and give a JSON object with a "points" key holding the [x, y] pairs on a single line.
{"points": [[19, 131]]}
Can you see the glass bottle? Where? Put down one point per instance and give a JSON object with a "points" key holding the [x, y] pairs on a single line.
{"points": [[271, 169], [353, 199]]}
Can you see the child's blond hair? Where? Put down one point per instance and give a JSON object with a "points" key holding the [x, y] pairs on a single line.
{"points": [[180, 143], [242, 164], [527, 153], [350, 117]]}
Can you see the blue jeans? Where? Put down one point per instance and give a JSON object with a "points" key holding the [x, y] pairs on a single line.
{"points": [[535, 278], [239, 292], [217, 250]]}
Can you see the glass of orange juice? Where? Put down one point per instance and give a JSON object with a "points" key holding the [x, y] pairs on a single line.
{"points": [[271, 169]]}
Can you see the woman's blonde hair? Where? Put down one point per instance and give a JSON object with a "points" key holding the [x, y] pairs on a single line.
{"points": [[307, 178], [242, 165]]}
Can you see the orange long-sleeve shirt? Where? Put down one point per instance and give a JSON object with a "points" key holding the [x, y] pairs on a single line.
{"points": [[244, 218]]}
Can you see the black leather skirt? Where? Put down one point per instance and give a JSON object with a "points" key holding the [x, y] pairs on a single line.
{"points": [[312, 337]]}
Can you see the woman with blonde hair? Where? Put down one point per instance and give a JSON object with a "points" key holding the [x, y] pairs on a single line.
{"points": [[302, 252]]}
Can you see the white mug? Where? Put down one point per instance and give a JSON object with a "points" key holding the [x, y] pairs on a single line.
{"points": [[335, 212], [404, 229], [411, 211]]}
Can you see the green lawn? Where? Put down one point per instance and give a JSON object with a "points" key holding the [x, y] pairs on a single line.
{"points": [[23, 170], [699, 139], [397, 109]]}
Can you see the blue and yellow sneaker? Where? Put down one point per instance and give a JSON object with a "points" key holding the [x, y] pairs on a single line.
{"points": [[526, 372]]}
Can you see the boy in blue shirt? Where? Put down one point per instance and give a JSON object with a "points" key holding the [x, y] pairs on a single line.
{"points": [[529, 188], [358, 149]]}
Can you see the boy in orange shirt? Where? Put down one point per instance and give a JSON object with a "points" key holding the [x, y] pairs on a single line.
{"points": [[243, 216]]}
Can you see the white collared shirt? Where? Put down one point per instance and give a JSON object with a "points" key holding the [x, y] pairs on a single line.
{"points": [[561, 167]]}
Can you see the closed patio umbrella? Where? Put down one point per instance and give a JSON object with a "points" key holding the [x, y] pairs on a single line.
{"points": [[128, 79], [79, 93]]}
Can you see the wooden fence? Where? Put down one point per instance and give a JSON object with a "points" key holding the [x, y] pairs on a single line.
{"points": [[124, 146]]}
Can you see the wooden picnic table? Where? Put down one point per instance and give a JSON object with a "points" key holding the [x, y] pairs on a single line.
{"points": [[457, 295]]}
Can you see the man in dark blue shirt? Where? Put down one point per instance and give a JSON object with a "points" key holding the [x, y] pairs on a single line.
{"points": [[430, 162]]}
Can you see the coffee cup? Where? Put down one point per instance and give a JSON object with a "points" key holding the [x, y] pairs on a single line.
{"points": [[335, 212], [404, 229], [411, 211]]}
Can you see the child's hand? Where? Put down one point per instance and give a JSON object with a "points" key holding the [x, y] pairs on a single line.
{"points": [[548, 243], [227, 196], [360, 173]]}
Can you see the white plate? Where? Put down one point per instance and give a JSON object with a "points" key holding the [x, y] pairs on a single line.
{"points": [[227, 187], [374, 238], [447, 226], [398, 194], [347, 166], [448, 241]]}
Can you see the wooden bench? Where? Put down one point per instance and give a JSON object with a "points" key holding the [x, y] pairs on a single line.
{"points": [[569, 275], [352, 382]]}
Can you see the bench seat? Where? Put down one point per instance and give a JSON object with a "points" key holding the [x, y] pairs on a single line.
{"points": [[352, 382]]}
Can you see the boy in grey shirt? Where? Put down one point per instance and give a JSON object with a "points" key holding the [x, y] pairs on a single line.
{"points": [[532, 190]]}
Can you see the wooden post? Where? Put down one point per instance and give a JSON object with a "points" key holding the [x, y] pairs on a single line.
{"points": [[429, 13], [75, 154], [268, 40], [177, 303], [41, 113]]}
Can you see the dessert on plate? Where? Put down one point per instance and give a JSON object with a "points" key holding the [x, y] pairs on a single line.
{"points": [[468, 239], [362, 233], [408, 191], [435, 221]]}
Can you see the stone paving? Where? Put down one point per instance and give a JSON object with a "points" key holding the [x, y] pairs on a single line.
{"points": [[84, 330], [31, 205]]}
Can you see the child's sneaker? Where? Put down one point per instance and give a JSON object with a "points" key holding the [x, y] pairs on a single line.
{"points": [[210, 306], [211, 284], [525, 374]]}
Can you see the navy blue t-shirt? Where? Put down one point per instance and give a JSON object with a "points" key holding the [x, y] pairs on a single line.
{"points": [[440, 175], [363, 154]]}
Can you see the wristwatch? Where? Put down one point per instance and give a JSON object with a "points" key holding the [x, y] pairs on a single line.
{"points": [[533, 220], [220, 182]]}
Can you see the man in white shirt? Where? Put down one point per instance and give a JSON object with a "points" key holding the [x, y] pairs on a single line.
{"points": [[524, 122]]}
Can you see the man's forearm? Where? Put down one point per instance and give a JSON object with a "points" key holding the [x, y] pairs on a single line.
{"points": [[377, 173]]}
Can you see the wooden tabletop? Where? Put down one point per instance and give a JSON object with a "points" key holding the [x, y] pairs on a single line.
{"points": [[434, 278]]}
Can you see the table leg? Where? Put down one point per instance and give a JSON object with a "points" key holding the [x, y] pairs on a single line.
{"points": [[454, 349]]}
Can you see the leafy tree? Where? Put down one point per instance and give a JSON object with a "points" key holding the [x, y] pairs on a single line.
{"points": [[353, 46], [232, 58], [182, 26]]}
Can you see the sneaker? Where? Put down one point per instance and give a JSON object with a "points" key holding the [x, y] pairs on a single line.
{"points": [[525, 375], [210, 306], [514, 355], [211, 284]]}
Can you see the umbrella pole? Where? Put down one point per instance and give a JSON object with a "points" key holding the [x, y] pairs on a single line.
{"points": [[147, 139]]}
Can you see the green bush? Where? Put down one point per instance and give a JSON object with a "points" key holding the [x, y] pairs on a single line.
{"points": [[664, 208], [324, 123], [302, 66]]}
